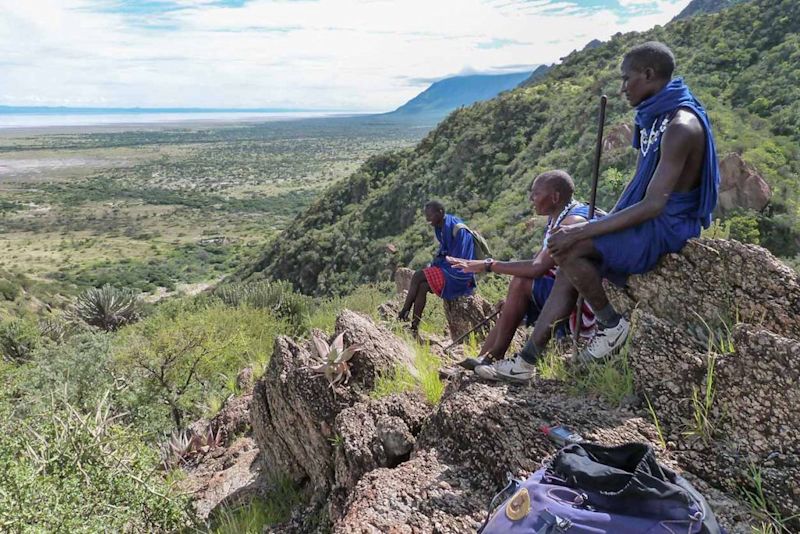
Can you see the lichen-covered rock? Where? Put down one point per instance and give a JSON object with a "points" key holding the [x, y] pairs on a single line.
{"points": [[496, 429], [741, 186], [245, 381], [465, 313], [713, 281], [373, 434], [293, 409], [667, 366], [402, 280], [422, 495], [477, 435], [380, 350], [758, 390], [753, 422], [224, 476], [233, 419]]}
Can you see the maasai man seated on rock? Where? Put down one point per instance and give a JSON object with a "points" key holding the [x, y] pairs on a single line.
{"points": [[668, 201], [440, 277], [551, 194]]}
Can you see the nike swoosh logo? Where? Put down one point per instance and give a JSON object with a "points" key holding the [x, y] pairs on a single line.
{"points": [[512, 373], [617, 338]]}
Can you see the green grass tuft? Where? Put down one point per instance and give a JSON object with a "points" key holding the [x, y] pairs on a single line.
{"points": [[427, 381], [252, 517]]}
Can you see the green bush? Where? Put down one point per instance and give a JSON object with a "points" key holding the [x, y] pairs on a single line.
{"points": [[18, 339], [8, 290], [744, 228], [62, 470], [184, 355], [277, 297], [78, 369]]}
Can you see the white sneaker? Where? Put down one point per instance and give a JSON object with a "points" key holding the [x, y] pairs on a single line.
{"points": [[605, 342], [516, 370]]}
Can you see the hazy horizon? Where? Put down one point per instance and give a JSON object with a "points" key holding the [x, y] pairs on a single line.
{"points": [[368, 55]]}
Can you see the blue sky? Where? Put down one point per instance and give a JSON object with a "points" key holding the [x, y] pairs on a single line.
{"points": [[327, 54]]}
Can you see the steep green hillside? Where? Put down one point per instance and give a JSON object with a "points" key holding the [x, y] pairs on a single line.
{"points": [[743, 63], [705, 6]]}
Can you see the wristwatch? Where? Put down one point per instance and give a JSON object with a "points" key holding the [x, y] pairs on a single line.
{"points": [[488, 262]]}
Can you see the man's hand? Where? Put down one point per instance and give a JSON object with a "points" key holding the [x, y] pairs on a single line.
{"points": [[468, 266], [563, 238]]}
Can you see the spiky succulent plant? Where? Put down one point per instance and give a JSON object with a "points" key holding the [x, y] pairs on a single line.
{"points": [[333, 360], [185, 445], [106, 307]]}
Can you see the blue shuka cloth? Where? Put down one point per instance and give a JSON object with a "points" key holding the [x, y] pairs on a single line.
{"points": [[638, 249], [542, 286], [457, 283]]}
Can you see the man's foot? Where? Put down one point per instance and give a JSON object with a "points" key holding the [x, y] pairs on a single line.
{"points": [[471, 363], [516, 370], [403, 315], [605, 342]]}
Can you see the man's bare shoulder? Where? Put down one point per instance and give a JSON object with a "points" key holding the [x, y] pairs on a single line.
{"points": [[685, 123], [572, 219]]}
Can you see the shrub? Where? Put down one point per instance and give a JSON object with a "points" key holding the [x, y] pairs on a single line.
{"points": [[78, 369], [18, 339], [183, 355], [63, 470], [8, 290], [277, 297]]}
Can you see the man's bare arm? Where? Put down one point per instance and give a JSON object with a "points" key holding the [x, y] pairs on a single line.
{"points": [[541, 264]]}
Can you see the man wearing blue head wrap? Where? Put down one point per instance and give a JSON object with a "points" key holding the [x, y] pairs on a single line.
{"points": [[670, 198]]}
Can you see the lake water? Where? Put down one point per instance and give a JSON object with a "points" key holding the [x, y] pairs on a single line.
{"points": [[44, 119]]}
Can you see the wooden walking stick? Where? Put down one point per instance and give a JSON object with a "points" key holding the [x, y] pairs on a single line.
{"points": [[598, 152], [476, 327]]}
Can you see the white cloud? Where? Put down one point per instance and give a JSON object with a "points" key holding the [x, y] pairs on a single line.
{"points": [[353, 54]]}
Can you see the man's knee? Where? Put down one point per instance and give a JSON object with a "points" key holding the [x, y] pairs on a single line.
{"points": [[582, 250], [520, 286]]}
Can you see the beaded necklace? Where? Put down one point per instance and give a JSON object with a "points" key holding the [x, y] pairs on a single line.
{"points": [[648, 140]]}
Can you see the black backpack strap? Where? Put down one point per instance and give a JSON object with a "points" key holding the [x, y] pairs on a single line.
{"points": [[553, 523]]}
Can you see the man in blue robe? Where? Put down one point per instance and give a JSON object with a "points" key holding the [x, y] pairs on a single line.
{"points": [[440, 277], [551, 194], [669, 200]]}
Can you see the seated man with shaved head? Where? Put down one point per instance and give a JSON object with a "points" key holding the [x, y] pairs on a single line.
{"points": [[670, 198], [551, 194]]}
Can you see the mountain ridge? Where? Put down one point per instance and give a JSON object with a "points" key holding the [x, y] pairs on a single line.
{"points": [[448, 94]]}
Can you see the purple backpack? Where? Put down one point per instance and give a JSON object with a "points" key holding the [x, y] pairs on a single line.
{"points": [[588, 488]]}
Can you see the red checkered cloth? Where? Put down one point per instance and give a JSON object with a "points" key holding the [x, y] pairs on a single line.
{"points": [[588, 321], [435, 278]]}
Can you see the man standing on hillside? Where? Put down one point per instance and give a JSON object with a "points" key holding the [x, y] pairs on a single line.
{"points": [[551, 193], [440, 277], [668, 201]]}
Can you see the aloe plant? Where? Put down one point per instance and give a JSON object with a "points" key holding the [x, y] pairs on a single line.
{"points": [[333, 360], [185, 445], [107, 307]]}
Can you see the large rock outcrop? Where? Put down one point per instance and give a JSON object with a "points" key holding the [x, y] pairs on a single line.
{"points": [[712, 281], [294, 410], [741, 186], [715, 349], [373, 434], [750, 421]]}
